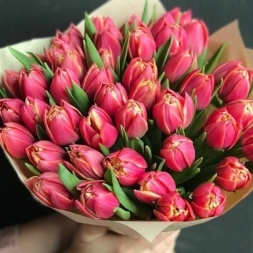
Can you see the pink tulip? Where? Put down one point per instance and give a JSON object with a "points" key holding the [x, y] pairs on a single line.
{"points": [[33, 84], [61, 123], [197, 35], [178, 152], [45, 155], [141, 44], [172, 207], [49, 189], [93, 79], [87, 162], [247, 143], [222, 129], [127, 164], [173, 111], [242, 111], [232, 174], [62, 55], [10, 110], [208, 200], [107, 58], [32, 113], [137, 68], [96, 201], [182, 18], [72, 36], [98, 128], [133, 118], [146, 91], [106, 23], [201, 84], [62, 79], [11, 83], [179, 64], [105, 39], [153, 185], [15, 138], [110, 97]]}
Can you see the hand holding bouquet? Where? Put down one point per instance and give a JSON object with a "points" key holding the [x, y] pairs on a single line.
{"points": [[131, 122]]}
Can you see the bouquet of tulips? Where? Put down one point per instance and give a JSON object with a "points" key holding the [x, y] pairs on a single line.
{"points": [[131, 122]]}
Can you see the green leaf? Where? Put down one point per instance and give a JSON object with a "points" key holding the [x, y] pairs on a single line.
{"points": [[92, 55], [161, 164], [50, 99], [109, 187], [148, 155], [104, 149], [166, 84], [199, 142], [34, 170], [202, 58], [145, 17], [187, 173], [210, 156], [138, 145], [90, 28], [69, 180], [124, 137], [162, 54], [123, 214], [124, 55], [24, 59], [48, 73], [154, 14], [41, 133], [136, 207], [78, 98], [36, 58], [212, 63], [3, 93]]}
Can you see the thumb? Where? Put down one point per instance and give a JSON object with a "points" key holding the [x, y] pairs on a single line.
{"points": [[88, 233]]}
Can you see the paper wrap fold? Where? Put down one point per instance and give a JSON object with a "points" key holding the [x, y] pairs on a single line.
{"points": [[120, 11]]}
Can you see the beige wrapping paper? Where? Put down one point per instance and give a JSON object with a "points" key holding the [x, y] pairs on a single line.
{"points": [[235, 50]]}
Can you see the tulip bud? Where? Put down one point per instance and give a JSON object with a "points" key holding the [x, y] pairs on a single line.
{"points": [[141, 44], [179, 64], [110, 97], [107, 58], [62, 55], [137, 68], [62, 80], [127, 164], [181, 17], [133, 118], [96, 201], [172, 207], [11, 83], [197, 35], [98, 128], [72, 36], [242, 111], [247, 143], [173, 111], [106, 23], [15, 139], [178, 152], [10, 110], [222, 130], [61, 123], [201, 84], [105, 39], [153, 185], [45, 155], [232, 174], [32, 113], [208, 200], [93, 79], [87, 162], [49, 189], [146, 91], [33, 84]]}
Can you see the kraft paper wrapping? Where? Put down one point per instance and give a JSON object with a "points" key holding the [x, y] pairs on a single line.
{"points": [[235, 50]]}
